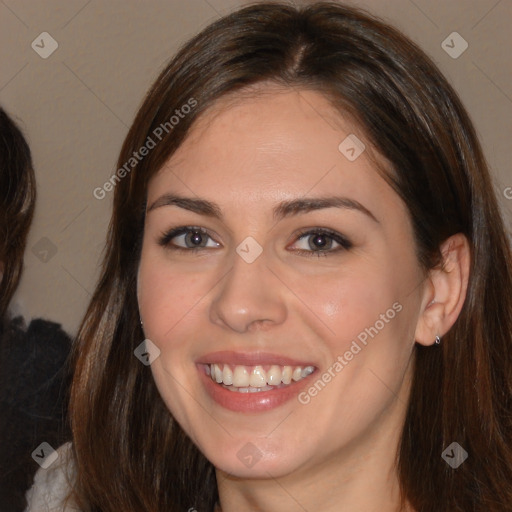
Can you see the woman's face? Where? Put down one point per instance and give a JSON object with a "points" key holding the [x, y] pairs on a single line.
{"points": [[304, 261]]}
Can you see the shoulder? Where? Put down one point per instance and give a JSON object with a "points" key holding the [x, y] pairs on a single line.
{"points": [[36, 351], [52, 485]]}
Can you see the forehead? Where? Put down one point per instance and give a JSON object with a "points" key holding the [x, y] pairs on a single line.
{"points": [[269, 143]]}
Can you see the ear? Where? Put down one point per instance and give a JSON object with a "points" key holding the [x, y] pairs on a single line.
{"points": [[445, 291]]}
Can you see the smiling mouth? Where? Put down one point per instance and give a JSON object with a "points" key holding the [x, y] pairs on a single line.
{"points": [[254, 379]]}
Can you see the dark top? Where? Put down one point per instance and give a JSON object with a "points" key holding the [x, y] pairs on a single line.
{"points": [[34, 390]]}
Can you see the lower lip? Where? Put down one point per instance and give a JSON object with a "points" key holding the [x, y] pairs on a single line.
{"points": [[250, 402]]}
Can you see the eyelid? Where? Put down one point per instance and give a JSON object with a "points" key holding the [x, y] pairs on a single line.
{"points": [[343, 242], [166, 237]]}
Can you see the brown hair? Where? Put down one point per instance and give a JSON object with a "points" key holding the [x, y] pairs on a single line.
{"points": [[17, 201], [130, 453]]}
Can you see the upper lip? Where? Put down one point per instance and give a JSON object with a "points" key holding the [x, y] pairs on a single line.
{"points": [[250, 359]]}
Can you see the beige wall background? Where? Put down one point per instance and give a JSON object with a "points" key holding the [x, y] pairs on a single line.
{"points": [[75, 107]]}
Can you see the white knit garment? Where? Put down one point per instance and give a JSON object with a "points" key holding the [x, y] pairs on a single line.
{"points": [[52, 485]]}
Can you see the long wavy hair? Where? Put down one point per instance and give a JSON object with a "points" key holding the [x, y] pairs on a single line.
{"points": [[129, 452], [17, 203]]}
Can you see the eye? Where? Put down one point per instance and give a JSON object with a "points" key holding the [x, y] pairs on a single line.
{"points": [[186, 238], [316, 242], [321, 242]]}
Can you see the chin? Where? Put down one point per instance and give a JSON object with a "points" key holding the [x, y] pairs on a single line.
{"points": [[251, 457]]}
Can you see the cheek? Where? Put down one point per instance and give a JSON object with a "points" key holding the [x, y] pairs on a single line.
{"points": [[370, 323], [169, 303], [166, 297], [370, 338], [348, 302]]}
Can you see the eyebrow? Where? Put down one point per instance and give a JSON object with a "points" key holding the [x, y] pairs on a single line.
{"points": [[280, 211]]}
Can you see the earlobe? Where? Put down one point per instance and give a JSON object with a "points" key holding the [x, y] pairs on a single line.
{"points": [[445, 292]]}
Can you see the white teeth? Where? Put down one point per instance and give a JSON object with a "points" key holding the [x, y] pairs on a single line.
{"points": [[287, 375], [249, 389], [297, 373], [240, 377], [308, 371], [227, 375], [218, 373], [257, 378], [251, 379], [274, 375]]}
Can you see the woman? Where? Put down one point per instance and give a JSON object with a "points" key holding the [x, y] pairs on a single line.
{"points": [[313, 255], [33, 381]]}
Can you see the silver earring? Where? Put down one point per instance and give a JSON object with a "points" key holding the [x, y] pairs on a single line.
{"points": [[438, 340]]}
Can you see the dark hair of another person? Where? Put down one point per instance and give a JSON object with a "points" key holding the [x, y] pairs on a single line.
{"points": [[130, 453], [17, 202], [34, 380]]}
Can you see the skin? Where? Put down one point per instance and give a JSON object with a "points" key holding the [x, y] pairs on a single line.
{"points": [[247, 154]]}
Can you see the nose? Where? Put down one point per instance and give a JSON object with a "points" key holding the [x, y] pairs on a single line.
{"points": [[248, 297]]}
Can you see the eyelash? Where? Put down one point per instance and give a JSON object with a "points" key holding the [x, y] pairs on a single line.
{"points": [[344, 243]]}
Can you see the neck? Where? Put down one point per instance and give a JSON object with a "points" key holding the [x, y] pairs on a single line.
{"points": [[281, 494], [356, 478]]}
